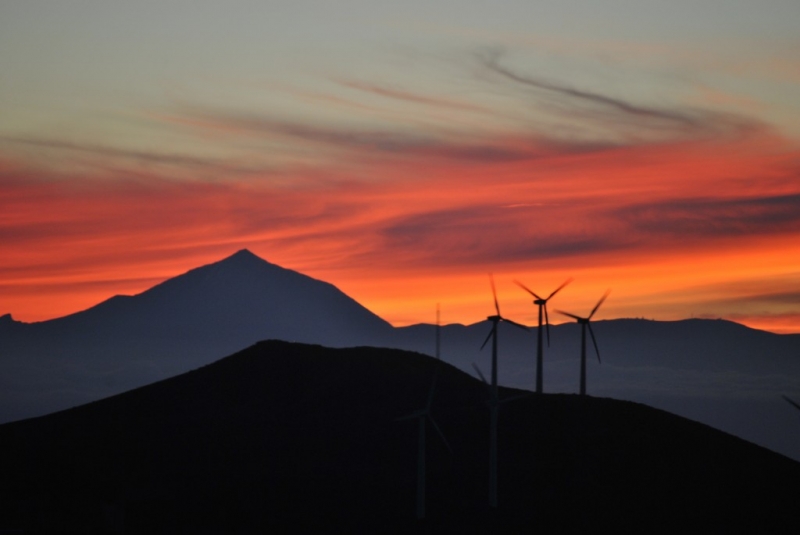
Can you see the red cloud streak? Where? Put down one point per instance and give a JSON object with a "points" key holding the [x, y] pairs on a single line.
{"points": [[418, 224]]}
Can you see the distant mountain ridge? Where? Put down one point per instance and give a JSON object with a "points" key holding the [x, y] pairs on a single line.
{"points": [[717, 372]]}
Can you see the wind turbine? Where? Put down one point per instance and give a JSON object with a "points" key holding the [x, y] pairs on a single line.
{"points": [[422, 415], [496, 319], [542, 304], [494, 407], [494, 401], [584, 323]]}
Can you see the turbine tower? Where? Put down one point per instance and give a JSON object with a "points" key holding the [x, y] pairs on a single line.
{"points": [[584, 323], [438, 334], [542, 304], [494, 401], [422, 416]]}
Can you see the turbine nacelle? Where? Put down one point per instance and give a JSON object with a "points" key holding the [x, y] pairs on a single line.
{"points": [[541, 302], [425, 413], [423, 416], [586, 324], [493, 392], [497, 318]]}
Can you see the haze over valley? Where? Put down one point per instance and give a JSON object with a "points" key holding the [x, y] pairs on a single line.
{"points": [[717, 372]]}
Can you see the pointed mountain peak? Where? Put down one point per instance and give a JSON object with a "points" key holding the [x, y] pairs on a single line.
{"points": [[243, 255], [243, 258], [6, 318]]}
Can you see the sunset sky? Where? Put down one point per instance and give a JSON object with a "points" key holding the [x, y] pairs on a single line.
{"points": [[404, 150]]}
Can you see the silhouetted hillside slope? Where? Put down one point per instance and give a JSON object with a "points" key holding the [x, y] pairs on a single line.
{"points": [[300, 438], [717, 372], [238, 296], [713, 371], [178, 325]]}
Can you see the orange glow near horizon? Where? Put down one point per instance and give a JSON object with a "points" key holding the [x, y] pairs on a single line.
{"points": [[679, 229], [402, 152]]}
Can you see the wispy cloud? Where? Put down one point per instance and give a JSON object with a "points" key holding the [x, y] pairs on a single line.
{"points": [[415, 98], [372, 199], [706, 218], [397, 142], [633, 121], [147, 157], [480, 235], [777, 322], [787, 298], [491, 60]]}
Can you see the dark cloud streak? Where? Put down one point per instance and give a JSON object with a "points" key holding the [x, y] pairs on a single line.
{"points": [[141, 156], [473, 235], [469, 235], [407, 96], [622, 110], [712, 218], [399, 143]]}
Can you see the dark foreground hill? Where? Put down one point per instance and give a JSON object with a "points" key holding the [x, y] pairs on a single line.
{"points": [[287, 437], [184, 322], [716, 372]]}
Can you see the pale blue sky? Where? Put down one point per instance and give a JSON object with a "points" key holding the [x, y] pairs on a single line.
{"points": [[65, 62]]}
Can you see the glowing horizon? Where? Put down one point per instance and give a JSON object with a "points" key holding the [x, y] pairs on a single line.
{"points": [[402, 156]]}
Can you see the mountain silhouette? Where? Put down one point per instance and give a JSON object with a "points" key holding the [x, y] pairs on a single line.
{"points": [[297, 438], [241, 299], [178, 325], [713, 371]]}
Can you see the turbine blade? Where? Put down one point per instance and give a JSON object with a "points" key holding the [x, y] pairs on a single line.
{"points": [[525, 288], [595, 342], [515, 324], [478, 370], [599, 303], [559, 288], [494, 294], [490, 335], [573, 316], [792, 402], [441, 435], [546, 324]]}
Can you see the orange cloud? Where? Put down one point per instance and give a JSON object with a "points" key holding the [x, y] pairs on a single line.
{"points": [[675, 220]]}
